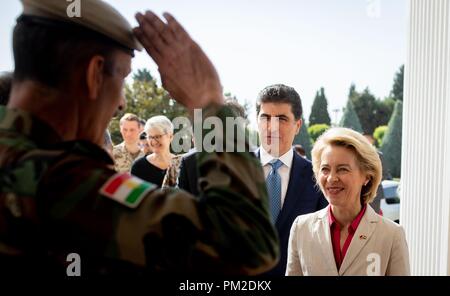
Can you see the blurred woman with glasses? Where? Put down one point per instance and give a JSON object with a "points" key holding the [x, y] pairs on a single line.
{"points": [[156, 166]]}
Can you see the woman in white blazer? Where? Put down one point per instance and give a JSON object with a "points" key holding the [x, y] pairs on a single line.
{"points": [[347, 237]]}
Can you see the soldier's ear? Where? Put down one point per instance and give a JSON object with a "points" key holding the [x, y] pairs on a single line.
{"points": [[94, 76]]}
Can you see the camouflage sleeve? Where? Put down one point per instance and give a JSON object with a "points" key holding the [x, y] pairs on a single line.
{"points": [[227, 230]]}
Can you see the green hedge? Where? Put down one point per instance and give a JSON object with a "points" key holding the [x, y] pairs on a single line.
{"points": [[379, 133], [316, 130]]}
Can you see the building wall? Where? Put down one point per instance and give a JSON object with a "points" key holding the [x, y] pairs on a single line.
{"points": [[425, 205]]}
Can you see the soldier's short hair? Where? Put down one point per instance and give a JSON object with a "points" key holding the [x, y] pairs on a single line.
{"points": [[52, 47], [52, 52], [130, 117], [159, 122]]}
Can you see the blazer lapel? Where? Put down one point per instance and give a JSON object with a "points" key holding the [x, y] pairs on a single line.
{"points": [[294, 191], [324, 242], [362, 235]]}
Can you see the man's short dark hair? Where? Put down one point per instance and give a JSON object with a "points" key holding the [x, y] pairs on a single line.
{"points": [[235, 107], [280, 93], [50, 51], [5, 87]]}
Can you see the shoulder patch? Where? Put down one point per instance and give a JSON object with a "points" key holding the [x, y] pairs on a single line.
{"points": [[126, 189]]}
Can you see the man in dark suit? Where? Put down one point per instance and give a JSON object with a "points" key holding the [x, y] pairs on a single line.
{"points": [[279, 113], [289, 177], [188, 177]]}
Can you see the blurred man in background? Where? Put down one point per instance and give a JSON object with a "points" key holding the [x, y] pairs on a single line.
{"points": [[129, 150]]}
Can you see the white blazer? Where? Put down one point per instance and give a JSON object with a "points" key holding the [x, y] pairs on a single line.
{"points": [[378, 247]]}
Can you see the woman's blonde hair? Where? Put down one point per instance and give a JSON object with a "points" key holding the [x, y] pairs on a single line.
{"points": [[366, 155]]}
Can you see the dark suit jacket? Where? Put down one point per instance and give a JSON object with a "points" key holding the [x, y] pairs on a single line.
{"points": [[188, 177], [302, 197]]}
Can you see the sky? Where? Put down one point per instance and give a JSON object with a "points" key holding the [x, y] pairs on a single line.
{"points": [[306, 44]]}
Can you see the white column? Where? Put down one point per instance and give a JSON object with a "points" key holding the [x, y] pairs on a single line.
{"points": [[425, 203]]}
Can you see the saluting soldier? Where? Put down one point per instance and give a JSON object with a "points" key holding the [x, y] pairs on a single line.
{"points": [[58, 191]]}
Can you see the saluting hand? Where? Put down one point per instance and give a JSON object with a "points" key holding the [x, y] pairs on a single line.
{"points": [[186, 72]]}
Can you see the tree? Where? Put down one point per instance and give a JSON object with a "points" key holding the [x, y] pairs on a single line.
{"points": [[365, 107], [392, 142], [352, 91], [397, 87], [316, 130], [304, 139], [371, 111], [383, 111], [379, 133], [143, 75], [146, 99], [350, 118], [319, 110]]}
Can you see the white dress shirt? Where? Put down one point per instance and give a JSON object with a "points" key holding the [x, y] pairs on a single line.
{"points": [[284, 170]]}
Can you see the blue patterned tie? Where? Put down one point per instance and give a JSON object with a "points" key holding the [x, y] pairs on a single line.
{"points": [[273, 182]]}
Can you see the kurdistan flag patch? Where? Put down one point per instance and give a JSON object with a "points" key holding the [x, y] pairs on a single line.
{"points": [[126, 189]]}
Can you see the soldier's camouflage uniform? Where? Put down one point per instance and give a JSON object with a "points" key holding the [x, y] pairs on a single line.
{"points": [[50, 206], [123, 159]]}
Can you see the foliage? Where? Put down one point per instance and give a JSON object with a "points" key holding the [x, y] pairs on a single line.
{"points": [[316, 130], [319, 110], [392, 141], [371, 111], [304, 139], [397, 87], [146, 99], [379, 133], [350, 118]]}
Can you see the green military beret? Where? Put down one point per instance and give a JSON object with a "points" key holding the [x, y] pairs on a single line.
{"points": [[95, 15]]}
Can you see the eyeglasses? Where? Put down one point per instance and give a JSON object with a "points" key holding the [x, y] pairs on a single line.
{"points": [[156, 138]]}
